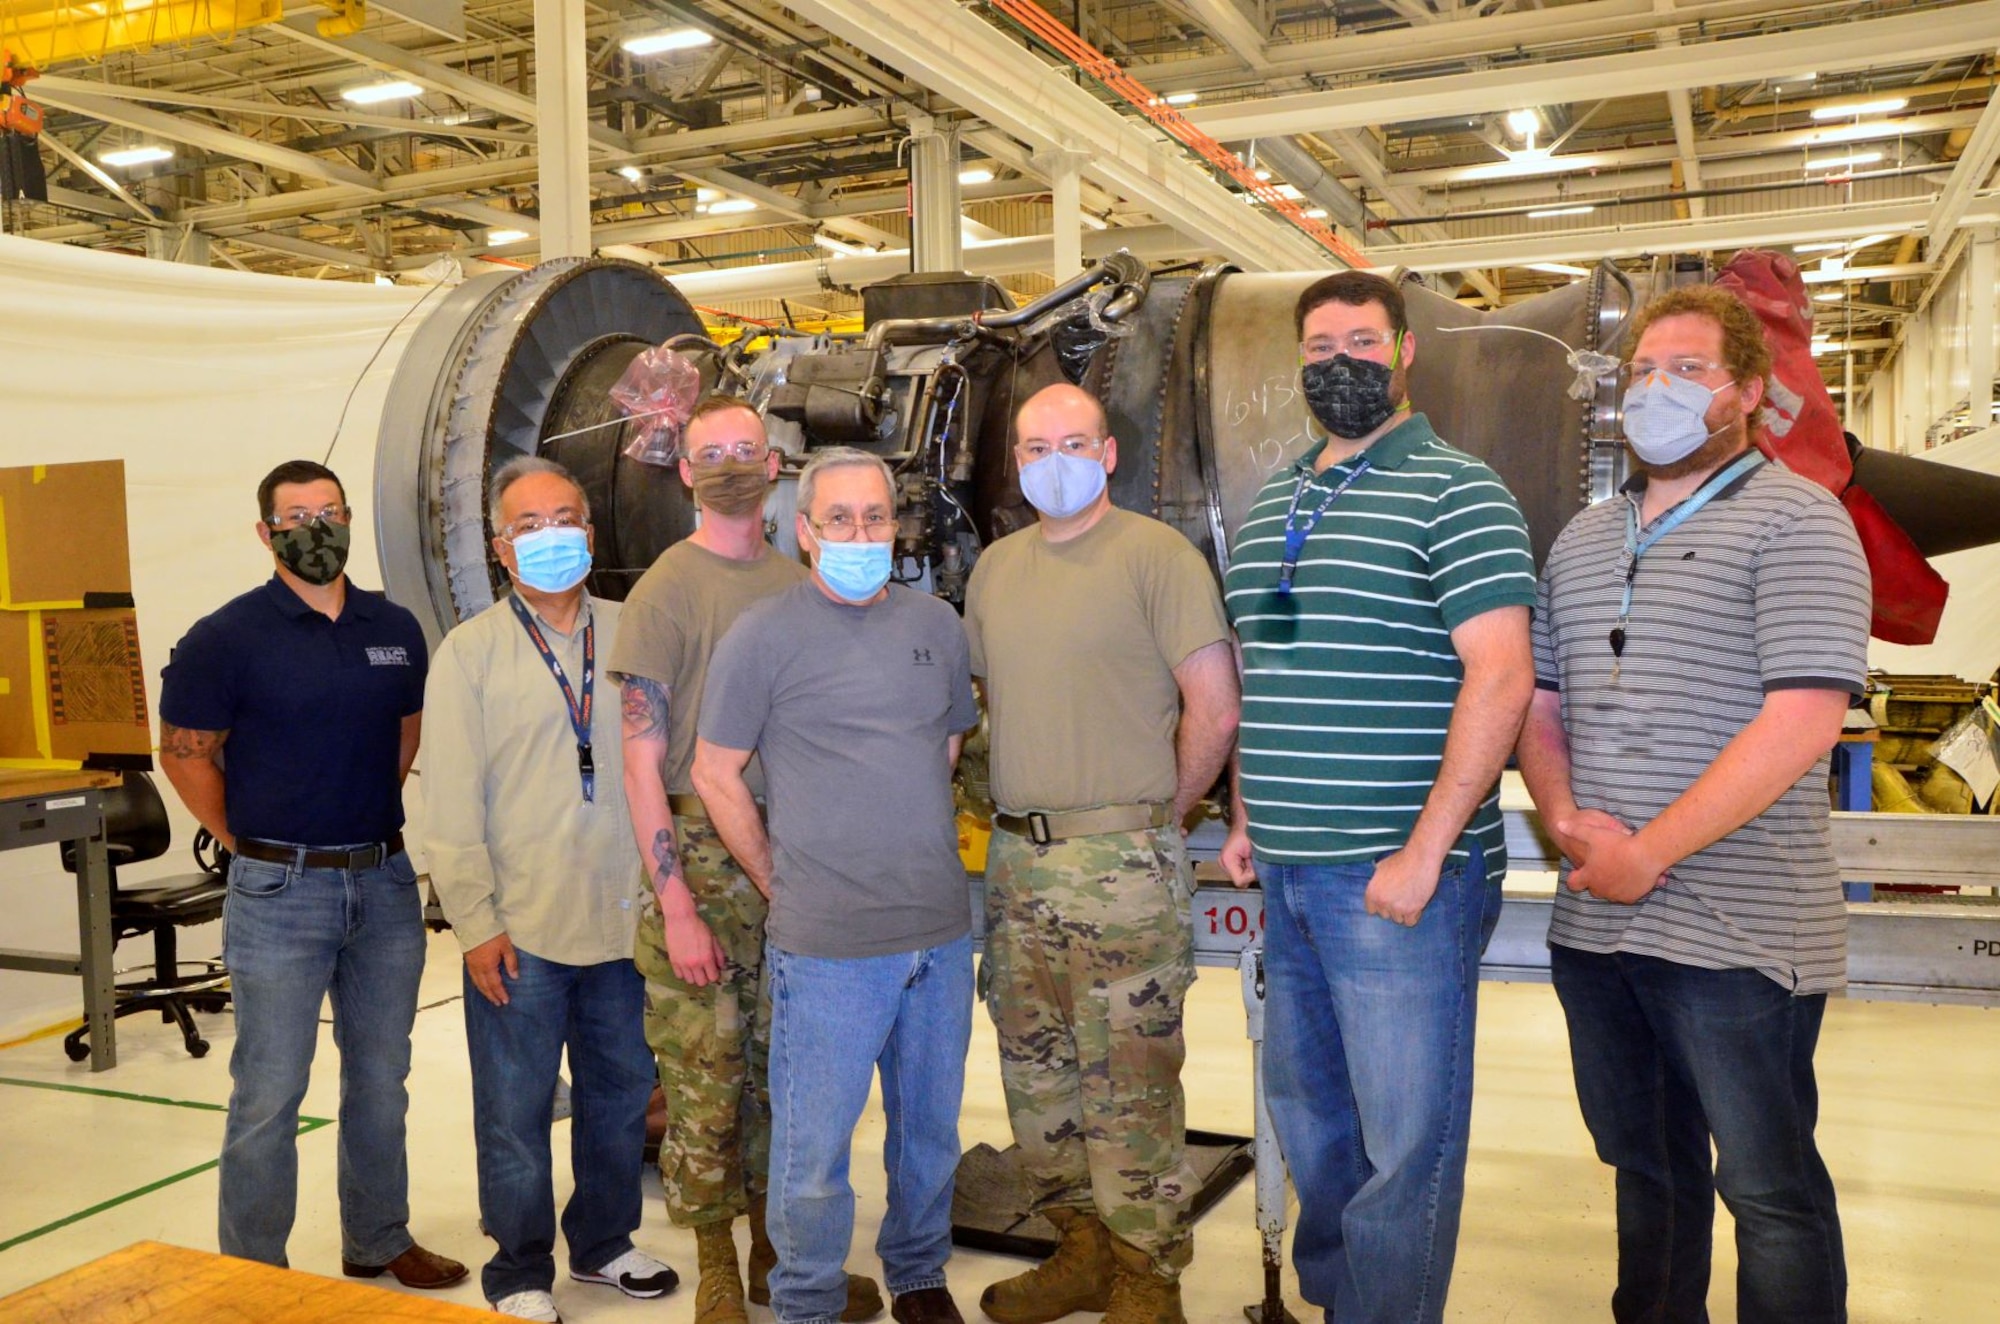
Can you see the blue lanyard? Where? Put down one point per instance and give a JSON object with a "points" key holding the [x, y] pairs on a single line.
{"points": [[579, 713], [1295, 537], [1636, 547]]}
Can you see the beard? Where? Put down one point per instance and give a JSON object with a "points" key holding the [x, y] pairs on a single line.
{"points": [[1733, 436]]}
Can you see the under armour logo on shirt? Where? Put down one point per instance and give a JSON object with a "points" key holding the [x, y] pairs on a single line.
{"points": [[921, 657], [388, 657]]}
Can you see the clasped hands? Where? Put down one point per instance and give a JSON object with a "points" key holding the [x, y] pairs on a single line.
{"points": [[1611, 861]]}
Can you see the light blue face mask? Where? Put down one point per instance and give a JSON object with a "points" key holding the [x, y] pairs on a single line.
{"points": [[1666, 417], [856, 571], [552, 560], [1060, 485]]}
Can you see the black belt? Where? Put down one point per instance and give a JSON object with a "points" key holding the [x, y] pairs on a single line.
{"points": [[305, 857]]}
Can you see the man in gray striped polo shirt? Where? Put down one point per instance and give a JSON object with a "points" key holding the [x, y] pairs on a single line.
{"points": [[1380, 591], [1696, 641]]}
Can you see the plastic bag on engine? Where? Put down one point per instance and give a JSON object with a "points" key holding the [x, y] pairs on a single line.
{"points": [[659, 389]]}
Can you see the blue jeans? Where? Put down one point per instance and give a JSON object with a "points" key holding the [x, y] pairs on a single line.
{"points": [[291, 937], [597, 1012], [833, 1022], [1666, 1057], [1368, 1030]]}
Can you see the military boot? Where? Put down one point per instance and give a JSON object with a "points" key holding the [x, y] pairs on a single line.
{"points": [[864, 1298], [1139, 1295], [719, 1297], [1076, 1277]]}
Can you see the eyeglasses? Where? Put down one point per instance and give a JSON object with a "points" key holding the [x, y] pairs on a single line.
{"points": [[708, 457], [562, 519], [1357, 344], [1078, 447], [843, 527], [1685, 367], [299, 515]]}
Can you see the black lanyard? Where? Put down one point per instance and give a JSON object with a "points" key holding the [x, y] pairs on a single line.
{"points": [[579, 713], [1295, 538]]}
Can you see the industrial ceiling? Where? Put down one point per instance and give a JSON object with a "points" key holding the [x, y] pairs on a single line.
{"points": [[1500, 144]]}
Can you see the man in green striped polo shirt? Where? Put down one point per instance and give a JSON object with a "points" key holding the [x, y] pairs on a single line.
{"points": [[1380, 591]]}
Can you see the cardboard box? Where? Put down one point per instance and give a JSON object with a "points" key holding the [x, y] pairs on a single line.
{"points": [[62, 536], [73, 690]]}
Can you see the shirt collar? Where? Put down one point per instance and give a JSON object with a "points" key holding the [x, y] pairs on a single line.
{"points": [[1635, 486], [360, 602], [1387, 451]]}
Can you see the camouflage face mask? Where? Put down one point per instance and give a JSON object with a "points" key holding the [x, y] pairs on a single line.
{"points": [[316, 551]]}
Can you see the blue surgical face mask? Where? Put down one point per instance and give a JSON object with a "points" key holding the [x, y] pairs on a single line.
{"points": [[552, 560], [856, 571], [1060, 485], [1666, 417]]}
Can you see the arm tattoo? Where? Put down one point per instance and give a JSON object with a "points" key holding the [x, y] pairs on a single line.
{"points": [[179, 742], [645, 708], [666, 856]]}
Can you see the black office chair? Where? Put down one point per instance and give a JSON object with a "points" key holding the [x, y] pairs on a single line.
{"points": [[136, 829]]}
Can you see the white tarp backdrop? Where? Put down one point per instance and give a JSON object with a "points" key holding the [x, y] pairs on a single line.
{"points": [[201, 380]]}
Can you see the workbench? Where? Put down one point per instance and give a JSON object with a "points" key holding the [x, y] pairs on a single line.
{"points": [[40, 808]]}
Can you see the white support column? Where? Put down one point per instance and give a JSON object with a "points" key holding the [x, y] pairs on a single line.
{"points": [[1065, 175], [563, 112], [1981, 356], [934, 198]]}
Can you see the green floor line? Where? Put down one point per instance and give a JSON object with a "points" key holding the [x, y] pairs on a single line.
{"points": [[306, 1124]]}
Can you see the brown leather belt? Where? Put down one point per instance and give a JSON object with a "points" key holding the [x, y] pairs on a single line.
{"points": [[305, 857], [1045, 828], [687, 806]]}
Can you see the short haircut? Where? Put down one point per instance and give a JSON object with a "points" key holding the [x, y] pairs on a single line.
{"points": [[840, 457], [1357, 289], [522, 466], [1745, 352], [293, 471], [720, 404]]}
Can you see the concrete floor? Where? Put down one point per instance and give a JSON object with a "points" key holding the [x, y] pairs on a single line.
{"points": [[92, 1163]]}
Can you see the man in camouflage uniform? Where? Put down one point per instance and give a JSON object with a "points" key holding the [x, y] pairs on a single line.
{"points": [[1112, 694], [701, 934]]}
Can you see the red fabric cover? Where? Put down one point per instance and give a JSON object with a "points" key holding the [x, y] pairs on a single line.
{"points": [[1799, 426]]}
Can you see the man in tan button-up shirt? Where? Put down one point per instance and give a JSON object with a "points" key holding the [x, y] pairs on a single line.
{"points": [[533, 859]]}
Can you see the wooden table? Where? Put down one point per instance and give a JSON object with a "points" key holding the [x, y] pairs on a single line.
{"points": [[173, 1285], [39, 808]]}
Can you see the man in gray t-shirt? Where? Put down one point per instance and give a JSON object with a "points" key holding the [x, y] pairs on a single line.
{"points": [[855, 695]]}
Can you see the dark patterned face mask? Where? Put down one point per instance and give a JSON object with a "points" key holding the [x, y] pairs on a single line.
{"points": [[1349, 396], [315, 551]]}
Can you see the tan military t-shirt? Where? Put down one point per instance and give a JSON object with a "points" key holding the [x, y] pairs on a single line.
{"points": [[1077, 642], [672, 620]]}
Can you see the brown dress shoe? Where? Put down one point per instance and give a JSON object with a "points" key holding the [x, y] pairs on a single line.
{"points": [[415, 1267], [933, 1305]]}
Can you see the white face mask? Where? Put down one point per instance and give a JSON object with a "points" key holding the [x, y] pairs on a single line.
{"points": [[1666, 417]]}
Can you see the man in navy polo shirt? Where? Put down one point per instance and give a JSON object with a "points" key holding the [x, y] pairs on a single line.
{"points": [[288, 720]]}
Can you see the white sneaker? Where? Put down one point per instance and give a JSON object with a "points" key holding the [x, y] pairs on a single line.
{"points": [[635, 1273], [529, 1305]]}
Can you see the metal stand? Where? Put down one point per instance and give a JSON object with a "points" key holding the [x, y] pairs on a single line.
{"points": [[1270, 1163]]}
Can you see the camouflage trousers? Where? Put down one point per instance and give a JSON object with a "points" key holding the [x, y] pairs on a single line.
{"points": [[711, 1043], [1089, 954]]}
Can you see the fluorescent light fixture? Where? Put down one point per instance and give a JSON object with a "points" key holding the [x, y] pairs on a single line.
{"points": [[1849, 109], [1869, 241], [658, 43], [1290, 191], [1183, 98], [1558, 269], [975, 175], [1829, 296], [1263, 174], [832, 245], [1842, 162], [1536, 162], [1833, 264], [1818, 248], [1094, 222], [495, 238], [1789, 79], [1524, 122], [731, 205], [1546, 212], [633, 173], [1315, 213], [135, 156], [708, 195], [374, 94]]}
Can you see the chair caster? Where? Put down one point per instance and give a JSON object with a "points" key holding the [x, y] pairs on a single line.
{"points": [[75, 1048], [197, 1047]]}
